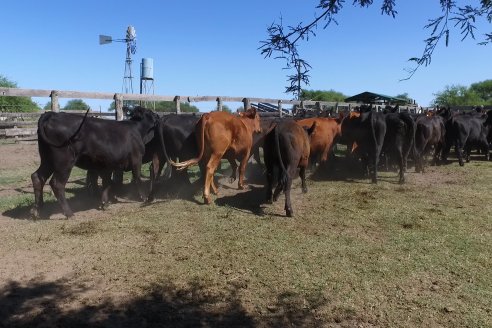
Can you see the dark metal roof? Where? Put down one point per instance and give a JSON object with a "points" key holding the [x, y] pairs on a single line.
{"points": [[371, 97]]}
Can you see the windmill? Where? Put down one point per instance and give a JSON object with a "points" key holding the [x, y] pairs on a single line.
{"points": [[131, 49]]}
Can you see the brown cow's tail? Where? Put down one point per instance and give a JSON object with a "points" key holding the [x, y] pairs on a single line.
{"points": [[201, 145], [283, 174]]}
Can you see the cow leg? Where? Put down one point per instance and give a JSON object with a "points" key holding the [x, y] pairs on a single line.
{"points": [[467, 152], [136, 171], [242, 169], [57, 183], [302, 174], [106, 185], [38, 181], [459, 152], [212, 165], [234, 166], [155, 170], [91, 181], [287, 188], [401, 164]]}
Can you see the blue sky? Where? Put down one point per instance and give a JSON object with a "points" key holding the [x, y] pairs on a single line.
{"points": [[210, 48]]}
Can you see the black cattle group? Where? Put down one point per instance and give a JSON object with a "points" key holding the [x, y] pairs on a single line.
{"points": [[103, 147]]}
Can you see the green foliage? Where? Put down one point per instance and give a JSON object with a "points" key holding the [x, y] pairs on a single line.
{"points": [[322, 95], [76, 104], [458, 95], [15, 104], [226, 108], [169, 106], [483, 90]]}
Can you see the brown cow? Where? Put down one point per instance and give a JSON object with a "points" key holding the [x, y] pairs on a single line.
{"points": [[322, 139], [221, 134]]}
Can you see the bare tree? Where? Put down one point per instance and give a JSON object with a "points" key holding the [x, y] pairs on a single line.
{"points": [[282, 41]]}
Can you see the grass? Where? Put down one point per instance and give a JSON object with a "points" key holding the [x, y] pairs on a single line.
{"points": [[356, 254]]}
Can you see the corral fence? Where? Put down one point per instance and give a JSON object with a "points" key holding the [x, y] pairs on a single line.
{"points": [[23, 125]]}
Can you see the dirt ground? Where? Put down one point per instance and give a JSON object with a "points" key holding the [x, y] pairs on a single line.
{"points": [[134, 266]]}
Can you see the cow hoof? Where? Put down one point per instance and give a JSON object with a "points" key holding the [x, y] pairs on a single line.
{"points": [[461, 163], [149, 200], [34, 214], [207, 200], [289, 213], [304, 189], [232, 179], [103, 206]]}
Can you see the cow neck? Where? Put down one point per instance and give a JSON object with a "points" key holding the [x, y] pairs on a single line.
{"points": [[144, 126], [248, 126]]}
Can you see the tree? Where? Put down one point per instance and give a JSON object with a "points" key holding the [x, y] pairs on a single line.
{"points": [[321, 95], [457, 95], [15, 104], [282, 42], [76, 104], [483, 90], [169, 106]]}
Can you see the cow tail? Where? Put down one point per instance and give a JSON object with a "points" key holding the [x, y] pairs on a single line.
{"points": [[169, 162], [201, 145], [283, 173], [43, 135], [411, 129]]}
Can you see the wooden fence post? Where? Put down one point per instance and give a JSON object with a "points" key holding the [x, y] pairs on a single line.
{"points": [[55, 107], [118, 107], [219, 104], [279, 106], [177, 104], [246, 103], [318, 108]]}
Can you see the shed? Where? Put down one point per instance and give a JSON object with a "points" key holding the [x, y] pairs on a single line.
{"points": [[375, 98]]}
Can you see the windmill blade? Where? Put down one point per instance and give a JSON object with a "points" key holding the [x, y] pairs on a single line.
{"points": [[105, 39]]}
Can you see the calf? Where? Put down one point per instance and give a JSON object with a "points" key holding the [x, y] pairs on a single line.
{"points": [[430, 133], [67, 140], [286, 149], [221, 134]]}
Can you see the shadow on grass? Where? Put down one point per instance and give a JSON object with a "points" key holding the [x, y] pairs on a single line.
{"points": [[249, 201], [61, 304]]}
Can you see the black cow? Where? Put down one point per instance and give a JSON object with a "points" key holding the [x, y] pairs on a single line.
{"points": [[399, 139], [465, 131], [180, 141], [66, 140], [286, 148], [429, 134], [364, 132]]}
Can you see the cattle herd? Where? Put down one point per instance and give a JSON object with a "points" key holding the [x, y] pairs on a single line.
{"points": [[290, 146]]}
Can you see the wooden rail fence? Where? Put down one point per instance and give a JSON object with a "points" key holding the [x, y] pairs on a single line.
{"points": [[119, 98]]}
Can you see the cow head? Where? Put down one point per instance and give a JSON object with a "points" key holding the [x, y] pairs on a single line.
{"points": [[251, 114]]}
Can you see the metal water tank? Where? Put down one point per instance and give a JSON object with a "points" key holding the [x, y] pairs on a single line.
{"points": [[147, 69]]}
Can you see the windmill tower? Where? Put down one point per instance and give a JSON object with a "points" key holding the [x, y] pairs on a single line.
{"points": [[131, 49]]}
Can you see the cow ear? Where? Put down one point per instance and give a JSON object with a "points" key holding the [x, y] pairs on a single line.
{"points": [[340, 117], [310, 131]]}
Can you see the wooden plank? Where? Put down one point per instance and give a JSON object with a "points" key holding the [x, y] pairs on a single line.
{"points": [[20, 132], [140, 97], [13, 124]]}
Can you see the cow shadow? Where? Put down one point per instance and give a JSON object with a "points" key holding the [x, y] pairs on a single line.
{"points": [[249, 201], [340, 168], [79, 198], [43, 304]]}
